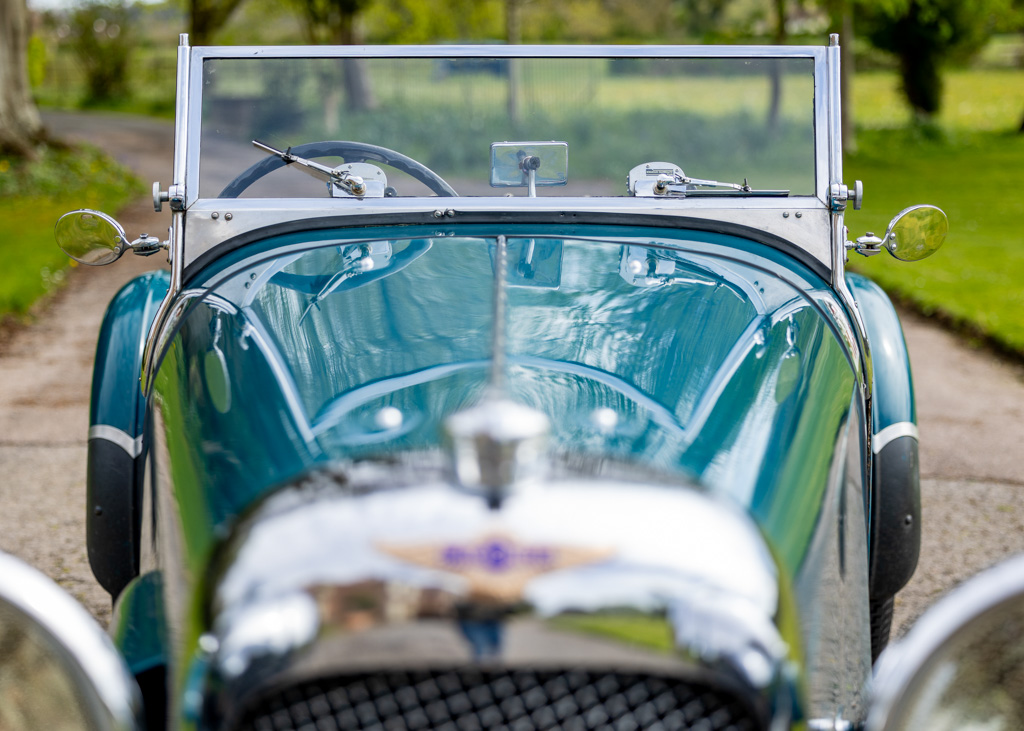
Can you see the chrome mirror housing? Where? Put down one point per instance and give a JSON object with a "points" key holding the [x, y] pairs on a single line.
{"points": [[90, 237], [58, 670], [914, 234], [529, 164], [962, 665], [94, 238]]}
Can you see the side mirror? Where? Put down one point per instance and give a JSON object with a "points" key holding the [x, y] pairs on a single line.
{"points": [[914, 234], [94, 238], [962, 664], [58, 670], [90, 237]]}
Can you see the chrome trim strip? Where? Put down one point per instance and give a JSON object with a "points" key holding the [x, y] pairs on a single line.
{"points": [[833, 101], [891, 433], [810, 233], [181, 112], [176, 254], [510, 51], [131, 445]]}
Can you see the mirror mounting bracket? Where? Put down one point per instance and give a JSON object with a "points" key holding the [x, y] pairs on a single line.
{"points": [[147, 245], [866, 245]]}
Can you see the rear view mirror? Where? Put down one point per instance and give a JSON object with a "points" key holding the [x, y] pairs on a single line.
{"points": [[90, 237], [529, 164]]}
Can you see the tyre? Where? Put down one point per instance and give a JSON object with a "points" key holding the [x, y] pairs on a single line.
{"points": [[881, 624]]}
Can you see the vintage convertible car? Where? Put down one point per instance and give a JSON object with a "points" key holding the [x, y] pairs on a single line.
{"points": [[463, 406]]}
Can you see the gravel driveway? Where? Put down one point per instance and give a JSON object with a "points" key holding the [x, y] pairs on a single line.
{"points": [[970, 408]]}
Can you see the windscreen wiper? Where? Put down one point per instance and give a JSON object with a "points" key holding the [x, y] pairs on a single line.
{"points": [[353, 184], [664, 179]]}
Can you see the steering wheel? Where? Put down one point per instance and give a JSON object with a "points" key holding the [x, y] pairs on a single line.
{"points": [[350, 152]]}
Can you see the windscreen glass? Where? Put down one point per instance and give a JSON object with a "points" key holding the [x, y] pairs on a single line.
{"points": [[720, 119]]}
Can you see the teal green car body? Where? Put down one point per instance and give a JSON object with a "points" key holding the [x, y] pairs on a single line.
{"points": [[735, 368], [697, 371]]}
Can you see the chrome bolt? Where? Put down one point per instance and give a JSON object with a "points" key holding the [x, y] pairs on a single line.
{"points": [[228, 216], [785, 214], [799, 214], [215, 215], [438, 214]]}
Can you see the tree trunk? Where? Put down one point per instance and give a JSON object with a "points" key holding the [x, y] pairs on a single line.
{"points": [[514, 36], [334, 22], [20, 126], [206, 17], [843, 22], [357, 78], [775, 70]]}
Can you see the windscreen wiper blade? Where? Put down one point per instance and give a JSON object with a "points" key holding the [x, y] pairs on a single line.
{"points": [[354, 184]]}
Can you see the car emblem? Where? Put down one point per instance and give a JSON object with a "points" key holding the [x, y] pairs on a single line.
{"points": [[498, 567]]}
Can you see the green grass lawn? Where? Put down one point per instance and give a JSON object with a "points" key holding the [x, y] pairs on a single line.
{"points": [[31, 201], [975, 99], [966, 166], [977, 278]]}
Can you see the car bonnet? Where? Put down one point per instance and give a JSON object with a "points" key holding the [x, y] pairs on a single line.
{"points": [[699, 355]]}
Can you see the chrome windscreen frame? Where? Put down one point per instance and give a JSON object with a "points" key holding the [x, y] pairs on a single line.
{"points": [[823, 147]]}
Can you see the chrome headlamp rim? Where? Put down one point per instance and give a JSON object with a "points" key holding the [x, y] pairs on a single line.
{"points": [[99, 676], [905, 667]]}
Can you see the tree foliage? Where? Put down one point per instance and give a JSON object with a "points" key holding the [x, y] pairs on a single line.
{"points": [[429, 21], [926, 34], [102, 41]]}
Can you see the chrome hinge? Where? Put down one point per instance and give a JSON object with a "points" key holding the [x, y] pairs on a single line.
{"points": [[175, 195], [839, 195]]}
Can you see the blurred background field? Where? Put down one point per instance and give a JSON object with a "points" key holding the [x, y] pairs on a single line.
{"points": [[963, 156]]}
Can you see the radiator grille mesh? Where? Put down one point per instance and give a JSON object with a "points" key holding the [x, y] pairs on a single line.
{"points": [[467, 700]]}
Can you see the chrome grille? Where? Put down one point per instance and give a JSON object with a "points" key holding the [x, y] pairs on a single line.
{"points": [[467, 700]]}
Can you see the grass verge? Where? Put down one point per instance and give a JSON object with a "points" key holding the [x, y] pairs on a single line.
{"points": [[32, 197], [976, 281]]}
